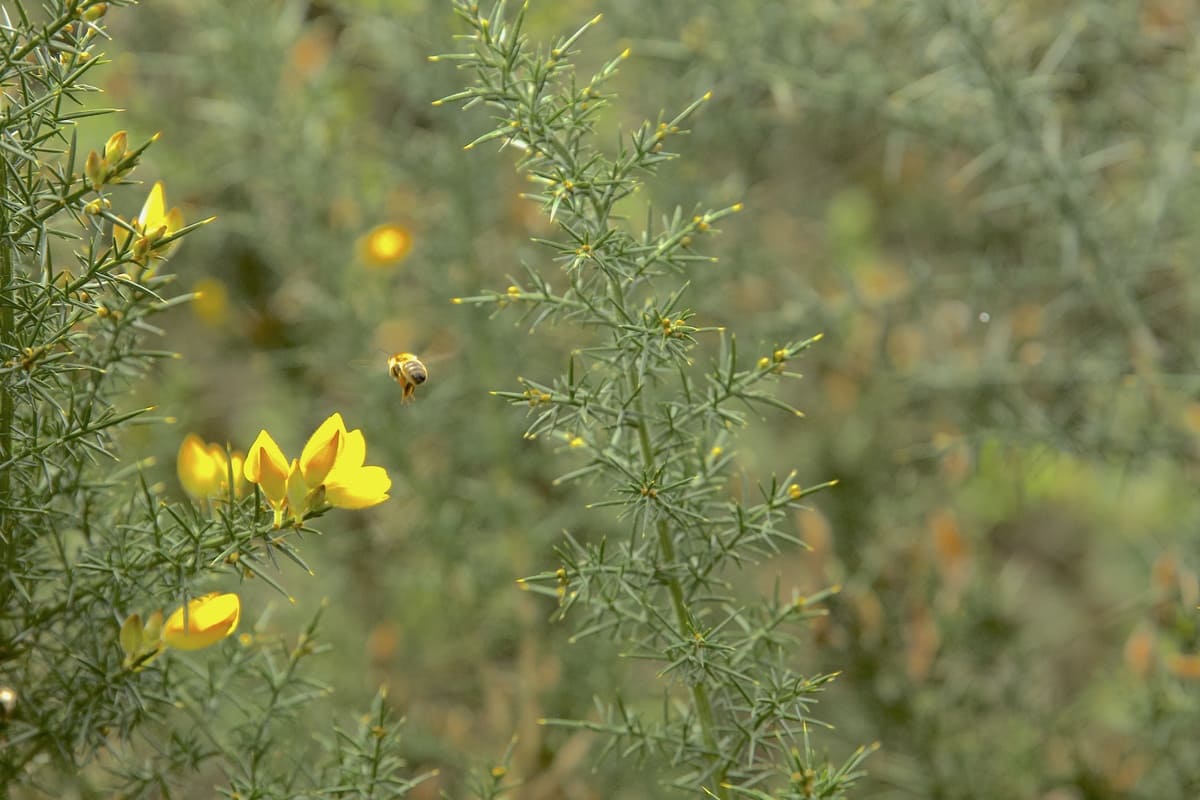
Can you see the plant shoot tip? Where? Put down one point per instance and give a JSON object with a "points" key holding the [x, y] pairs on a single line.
{"points": [[596, 19], [707, 95]]}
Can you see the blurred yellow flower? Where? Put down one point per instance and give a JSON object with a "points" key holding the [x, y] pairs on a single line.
{"points": [[204, 469], [385, 245], [210, 619], [266, 466], [211, 305], [153, 223]]}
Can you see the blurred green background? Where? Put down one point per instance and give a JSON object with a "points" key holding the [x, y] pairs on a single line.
{"points": [[989, 210]]}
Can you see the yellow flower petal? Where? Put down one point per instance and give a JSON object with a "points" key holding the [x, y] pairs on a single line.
{"points": [[350, 484], [154, 211], [174, 221], [266, 466], [209, 620], [359, 488], [238, 463], [198, 472], [354, 451], [297, 491], [322, 450], [220, 462], [120, 236]]}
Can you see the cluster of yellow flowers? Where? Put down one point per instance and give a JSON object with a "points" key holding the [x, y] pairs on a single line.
{"points": [[330, 473]]}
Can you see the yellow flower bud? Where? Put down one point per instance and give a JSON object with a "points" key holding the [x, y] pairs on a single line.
{"points": [[209, 619], [116, 147], [95, 12], [141, 249], [95, 170]]}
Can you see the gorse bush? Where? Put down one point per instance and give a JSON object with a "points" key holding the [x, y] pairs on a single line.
{"points": [[655, 431], [94, 551], [984, 207]]}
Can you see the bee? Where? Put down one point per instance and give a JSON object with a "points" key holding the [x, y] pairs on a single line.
{"points": [[408, 371]]}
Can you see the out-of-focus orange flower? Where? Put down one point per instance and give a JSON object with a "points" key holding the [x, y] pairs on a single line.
{"points": [[1139, 651], [1184, 665]]}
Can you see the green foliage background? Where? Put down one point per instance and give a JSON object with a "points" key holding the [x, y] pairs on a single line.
{"points": [[987, 207]]}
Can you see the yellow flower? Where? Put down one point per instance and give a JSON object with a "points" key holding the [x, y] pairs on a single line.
{"points": [[209, 620], [152, 224], [385, 245], [266, 466], [204, 469], [350, 484]]}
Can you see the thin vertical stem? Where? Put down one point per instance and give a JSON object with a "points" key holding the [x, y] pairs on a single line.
{"points": [[667, 547]]}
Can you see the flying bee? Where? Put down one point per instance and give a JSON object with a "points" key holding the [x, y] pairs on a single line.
{"points": [[408, 371]]}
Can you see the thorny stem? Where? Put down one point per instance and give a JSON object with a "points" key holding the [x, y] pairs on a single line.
{"points": [[686, 629], [9, 344]]}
